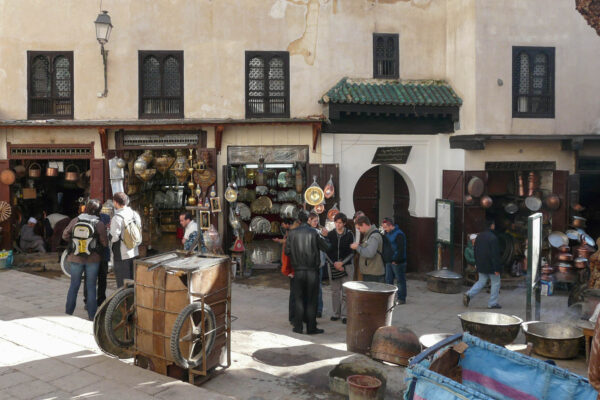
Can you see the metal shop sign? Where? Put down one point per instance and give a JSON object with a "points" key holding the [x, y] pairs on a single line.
{"points": [[391, 155]]}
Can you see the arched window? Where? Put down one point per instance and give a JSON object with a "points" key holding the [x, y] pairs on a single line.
{"points": [[50, 85], [267, 84], [161, 84], [385, 55], [533, 82]]}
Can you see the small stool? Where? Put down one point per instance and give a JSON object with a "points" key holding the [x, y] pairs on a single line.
{"points": [[588, 334]]}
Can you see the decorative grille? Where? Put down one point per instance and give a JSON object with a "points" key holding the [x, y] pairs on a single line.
{"points": [[51, 153], [50, 85], [533, 82], [161, 84], [267, 91], [385, 55], [153, 140]]}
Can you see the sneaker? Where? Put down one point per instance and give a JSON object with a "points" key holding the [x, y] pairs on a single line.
{"points": [[344, 321], [316, 331], [495, 306], [400, 302], [299, 330], [319, 314], [335, 318], [466, 299]]}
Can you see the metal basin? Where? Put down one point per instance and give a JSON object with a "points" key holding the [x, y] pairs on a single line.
{"points": [[500, 329], [553, 340], [430, 339]]}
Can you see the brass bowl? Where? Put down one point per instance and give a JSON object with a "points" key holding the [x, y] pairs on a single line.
{"points": [[314, 195], [181, 175]]}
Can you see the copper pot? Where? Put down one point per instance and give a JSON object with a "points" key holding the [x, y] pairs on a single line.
{"points": [[468, 199], [51, 171], [532, 183], [35, 172], [521, 185], [7, 177], [564, 267], [564, 249], [584, 251], [486, 201], [552, 202], [578, 222], [547, 270], [73, 175], [565, 257], [581, 262]]}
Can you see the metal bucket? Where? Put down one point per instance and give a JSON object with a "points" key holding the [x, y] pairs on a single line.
{"points": [[369, 307]]}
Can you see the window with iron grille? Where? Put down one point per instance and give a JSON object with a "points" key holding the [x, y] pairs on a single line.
{"points": [[161, 84], [533, 82], [50, 84], [385, 55], [267, 84]]}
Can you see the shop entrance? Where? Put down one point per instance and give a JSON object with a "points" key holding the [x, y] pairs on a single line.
{"points": [[382, 192], [589, 197]]}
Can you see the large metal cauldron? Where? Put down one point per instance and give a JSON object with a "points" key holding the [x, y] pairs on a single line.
{"points": [[369, 307], [553, 340], [496, 328], [444, 281], [395, 344]]}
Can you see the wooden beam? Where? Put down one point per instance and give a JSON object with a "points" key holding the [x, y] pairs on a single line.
{"points": [[219, 129], [103, 140], [315, 136]]}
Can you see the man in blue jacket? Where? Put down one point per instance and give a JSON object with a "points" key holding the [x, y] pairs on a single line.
{"points": [[394, 256], [489, 266]]}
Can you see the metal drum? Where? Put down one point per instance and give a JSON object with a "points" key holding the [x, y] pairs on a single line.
{"points": [[369, 307]]}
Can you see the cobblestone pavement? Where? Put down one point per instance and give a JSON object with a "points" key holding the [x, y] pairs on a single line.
{"points": [[46, 354]]}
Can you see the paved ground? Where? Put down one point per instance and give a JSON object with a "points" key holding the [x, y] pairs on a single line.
{"points": [[48, 355]]}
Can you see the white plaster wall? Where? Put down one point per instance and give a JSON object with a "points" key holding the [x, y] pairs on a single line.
{"points": [[49, 136], [429, 156]]}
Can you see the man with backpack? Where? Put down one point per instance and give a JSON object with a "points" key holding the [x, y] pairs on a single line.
{"points": [[394, 256], [370, 261], [126, 236], [86, 236]]}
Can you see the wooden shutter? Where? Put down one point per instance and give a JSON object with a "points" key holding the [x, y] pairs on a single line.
{"points": [[5, 196], [560, 188], [323, 172], [97, 179]]}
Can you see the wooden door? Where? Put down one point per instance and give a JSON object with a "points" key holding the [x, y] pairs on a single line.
{"points": [[97, 183], [401, 202], [366, 194]]}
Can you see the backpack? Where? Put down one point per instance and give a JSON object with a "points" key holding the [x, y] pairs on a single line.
{"points": [[131, 234], [83, 236]]}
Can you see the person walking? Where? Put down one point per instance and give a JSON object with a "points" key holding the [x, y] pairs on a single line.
{"points": [[488, 264], [302, 246], [341, 265], [123, 255], [86, 236], [369, 249], [395, 257]]}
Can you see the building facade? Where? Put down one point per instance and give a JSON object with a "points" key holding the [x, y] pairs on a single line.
{"points": [[217, 77]]}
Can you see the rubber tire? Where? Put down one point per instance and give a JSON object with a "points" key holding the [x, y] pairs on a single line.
{"points": [[64, 264], [181, 319], [118, 298]]}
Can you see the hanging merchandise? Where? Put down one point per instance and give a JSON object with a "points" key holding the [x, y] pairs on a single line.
{"points": [[314, 194], [35, 170], [139, 165], [299, 183], [204, 176], [319, 208], [213, 191], [179, 167], [7, 177], [231, 193], [333, 211], [260, 175], [71, 173], [163, 163], [329, 190], [5, 211], [206, 202]]}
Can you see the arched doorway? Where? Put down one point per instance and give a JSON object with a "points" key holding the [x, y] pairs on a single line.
{"points": [[382, 192]]}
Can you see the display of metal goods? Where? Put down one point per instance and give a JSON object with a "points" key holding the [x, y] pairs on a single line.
{"points": [[182, 307], [552, 202], [486, 201], [497, 328], [558, 239], [432, 339], [395, 345], [475, 187], [553, 340]]}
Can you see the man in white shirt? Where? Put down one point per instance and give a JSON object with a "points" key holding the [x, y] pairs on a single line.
{"points": [[122, 255], [55, 224], [190, 235]]}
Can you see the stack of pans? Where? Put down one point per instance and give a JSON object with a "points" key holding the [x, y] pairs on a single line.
{"points": [[560, 241]]}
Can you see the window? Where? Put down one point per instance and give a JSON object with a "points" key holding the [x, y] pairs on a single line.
{"points": [[161, 84], [50, 84], [533, 82], [385, 55], [267, 84]]}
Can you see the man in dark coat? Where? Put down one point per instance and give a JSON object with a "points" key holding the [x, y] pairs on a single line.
{"points": [[302, 246], [487, 261]]}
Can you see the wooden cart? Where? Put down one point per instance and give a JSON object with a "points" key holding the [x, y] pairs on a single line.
{"points": [[175, 318]]}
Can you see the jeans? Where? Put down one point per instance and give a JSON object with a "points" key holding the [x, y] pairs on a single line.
{"points": [[338, 294], [91, 275], [397, 271], [480, 284]]}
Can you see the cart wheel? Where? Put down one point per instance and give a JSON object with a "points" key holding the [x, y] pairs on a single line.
{"points": [[64, 264], [118, 323], [188, 334]]}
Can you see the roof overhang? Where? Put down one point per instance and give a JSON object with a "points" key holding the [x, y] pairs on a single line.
{"points": [[477, 142]]}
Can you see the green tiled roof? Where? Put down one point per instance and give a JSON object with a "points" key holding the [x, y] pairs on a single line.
{"points": [[392, 92]]}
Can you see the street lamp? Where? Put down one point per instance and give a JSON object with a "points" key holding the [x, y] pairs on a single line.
{"points": [[103, 28]]}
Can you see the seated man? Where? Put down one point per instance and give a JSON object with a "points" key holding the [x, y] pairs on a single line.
{"points": [[190, 237], [31, 242]]}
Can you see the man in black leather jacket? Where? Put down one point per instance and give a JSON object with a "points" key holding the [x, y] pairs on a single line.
{"points": [[302, 246]]}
